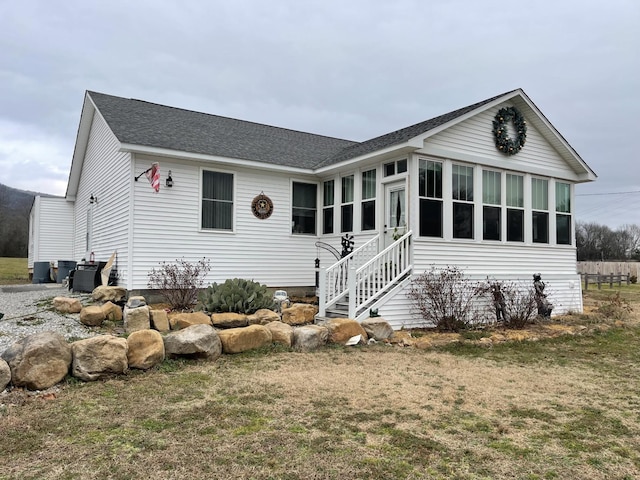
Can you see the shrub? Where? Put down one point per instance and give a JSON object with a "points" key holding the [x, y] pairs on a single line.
{"points": [[445, 298], [615, 308], [519, 306], [179, 282], [235, 295], [633, 279]]}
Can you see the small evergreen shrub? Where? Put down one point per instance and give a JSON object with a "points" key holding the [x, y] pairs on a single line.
{"points": [[179, 282], [235, 295]]}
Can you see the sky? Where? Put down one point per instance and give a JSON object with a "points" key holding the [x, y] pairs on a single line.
{"points": [[352, 69]]}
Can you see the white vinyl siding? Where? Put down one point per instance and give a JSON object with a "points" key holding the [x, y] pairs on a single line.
{"points": [[107, 175], [50, 230], [167, 227]]}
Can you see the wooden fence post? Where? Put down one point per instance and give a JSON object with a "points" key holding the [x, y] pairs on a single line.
{"points": [[599, 281]]}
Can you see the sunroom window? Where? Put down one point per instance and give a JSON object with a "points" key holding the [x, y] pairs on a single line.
{"points": [[369, 200], [462, 185], [430, 193], [515, 208], [328, 195], [540, 210], [563, 213], [346, 209], [492, 208]]}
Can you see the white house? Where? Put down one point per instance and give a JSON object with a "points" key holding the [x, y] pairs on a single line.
{"points": [[255, 199]]}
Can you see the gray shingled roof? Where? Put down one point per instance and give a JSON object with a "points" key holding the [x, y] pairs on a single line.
{"points": [[148, 124]]}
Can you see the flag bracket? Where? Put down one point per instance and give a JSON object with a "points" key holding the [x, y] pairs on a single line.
{"points": [[146, 171]]}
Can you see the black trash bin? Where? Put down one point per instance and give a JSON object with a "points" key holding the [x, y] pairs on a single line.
{"points": [[64, 267], [41, 272]]}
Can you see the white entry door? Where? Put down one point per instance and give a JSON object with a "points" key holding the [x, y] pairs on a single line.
{"points": [[395, 211]]}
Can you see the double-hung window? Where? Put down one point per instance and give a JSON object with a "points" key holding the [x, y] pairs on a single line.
{"points": [[462, 184], [540, 210], [369, 200], [346, 209], [430, 193], [515, 208], [328, 196], [303, 212], [563, 213], [492, 205], [217, 200]]}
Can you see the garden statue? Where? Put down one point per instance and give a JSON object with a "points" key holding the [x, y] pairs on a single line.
{"points": [[544, 307], [498, 302]]}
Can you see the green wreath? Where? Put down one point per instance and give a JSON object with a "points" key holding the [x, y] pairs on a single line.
{"points": [[506, 144]]}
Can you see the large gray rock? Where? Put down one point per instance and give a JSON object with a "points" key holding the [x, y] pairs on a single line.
{"points": [[5, 374], [136, 319], [105, 293], [146, 349], [196, 341], [377, 328], [309, 337], [38, 361], [238, 340], [98, 357]]}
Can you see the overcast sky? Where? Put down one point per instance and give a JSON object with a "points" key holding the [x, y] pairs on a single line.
{"points": [[351, 69]]}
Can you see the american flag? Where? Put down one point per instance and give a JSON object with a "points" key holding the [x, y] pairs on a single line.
{"points": [[153, 175]]}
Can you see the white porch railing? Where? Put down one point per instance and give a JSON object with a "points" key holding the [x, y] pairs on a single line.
{"points": [[369, 282], [333, 283]]}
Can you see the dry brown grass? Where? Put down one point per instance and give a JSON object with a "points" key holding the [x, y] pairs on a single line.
{"points": [[563, 408]]}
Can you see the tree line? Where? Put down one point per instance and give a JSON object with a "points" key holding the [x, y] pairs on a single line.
{"points": [[597, 242]]}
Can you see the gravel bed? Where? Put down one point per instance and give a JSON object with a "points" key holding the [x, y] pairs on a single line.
{"points": [[28, 309]]}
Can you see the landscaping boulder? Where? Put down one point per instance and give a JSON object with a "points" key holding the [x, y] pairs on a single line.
{"points": [[281, 333], [67, 305], [105, 293], [184, 320], [38, 361], [309, 337], [229, 320], [99, 357], [238, 340], [299, 314], [159, 320], [342, 329], [263, 317], [377, 328], [136, 319], [5, 374], [112, 312], [145, 349], [92, 316], [136, 301], [196, 341]]}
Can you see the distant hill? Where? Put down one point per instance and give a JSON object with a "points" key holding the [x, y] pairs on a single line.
{"points": [[15, 206]]}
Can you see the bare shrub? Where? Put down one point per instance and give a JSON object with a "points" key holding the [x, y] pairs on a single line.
{"points": [[179, 282], [445, 298], [615, 308], [514, 302]]}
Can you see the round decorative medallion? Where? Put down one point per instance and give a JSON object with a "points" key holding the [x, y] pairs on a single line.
{"points": [[504, 143], [262, 206]]}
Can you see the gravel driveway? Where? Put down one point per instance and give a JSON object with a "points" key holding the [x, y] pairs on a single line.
{"points": [[27, 309]]}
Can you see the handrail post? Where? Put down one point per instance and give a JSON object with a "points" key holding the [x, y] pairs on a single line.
{"points": [[322, 292], [351, 281]]}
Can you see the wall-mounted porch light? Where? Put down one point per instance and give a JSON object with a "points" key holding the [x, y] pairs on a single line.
{"points": [[93, 199], [169, 181]]}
